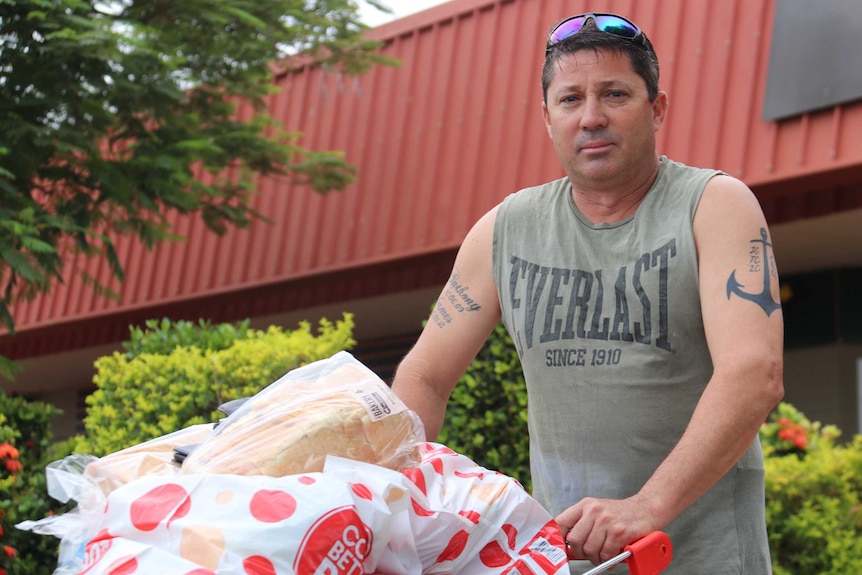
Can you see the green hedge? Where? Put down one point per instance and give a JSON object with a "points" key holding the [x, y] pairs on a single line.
{"points": [[158, 391], [161, 337], [814, 511], [813, 496], [25, 437], [487, 416]]}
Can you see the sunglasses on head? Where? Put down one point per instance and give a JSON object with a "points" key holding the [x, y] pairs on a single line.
{"points": [[607, 23]]}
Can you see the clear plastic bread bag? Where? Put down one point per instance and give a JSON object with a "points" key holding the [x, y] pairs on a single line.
{"points": [[89, 480], [335, 406]]}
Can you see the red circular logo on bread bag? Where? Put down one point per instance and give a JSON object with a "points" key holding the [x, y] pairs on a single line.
{"points": [[95, 549], [336, 544]]}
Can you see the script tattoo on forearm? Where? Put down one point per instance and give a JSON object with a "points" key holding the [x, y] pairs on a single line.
{"points": [[759, 260], [455, 299]]}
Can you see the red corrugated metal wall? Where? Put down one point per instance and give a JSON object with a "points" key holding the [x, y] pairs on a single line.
{"points": [[445, 136]]}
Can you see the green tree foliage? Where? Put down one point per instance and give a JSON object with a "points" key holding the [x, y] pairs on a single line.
{"points": [[107, 108], [158, 391]]}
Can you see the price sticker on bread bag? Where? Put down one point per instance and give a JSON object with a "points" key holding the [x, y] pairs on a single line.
{"points": [[379, 401]]}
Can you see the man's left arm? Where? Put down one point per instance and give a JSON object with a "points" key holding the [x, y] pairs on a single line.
{"points": [[744, 329]]}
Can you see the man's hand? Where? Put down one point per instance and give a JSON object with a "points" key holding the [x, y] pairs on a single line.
{"points": [[599, 529]]}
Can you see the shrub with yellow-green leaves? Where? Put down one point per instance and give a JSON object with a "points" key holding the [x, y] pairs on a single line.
{"points": [[152, 394], [251, 364], [789, 431], [813, 496]]}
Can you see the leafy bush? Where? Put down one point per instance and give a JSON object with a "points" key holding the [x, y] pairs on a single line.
{"points": [[486, 418], [155, 393], [162, 337], [813, 496], [789, 431], [24, 440]]}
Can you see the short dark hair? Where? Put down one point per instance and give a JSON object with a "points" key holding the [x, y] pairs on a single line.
{"points": [[642, 55]]}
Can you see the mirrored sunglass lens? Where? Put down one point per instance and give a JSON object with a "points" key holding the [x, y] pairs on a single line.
{"points": [[616, 26], [566, 29]]}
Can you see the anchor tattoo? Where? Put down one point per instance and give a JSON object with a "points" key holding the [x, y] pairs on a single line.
{"points": [[764, 298]]}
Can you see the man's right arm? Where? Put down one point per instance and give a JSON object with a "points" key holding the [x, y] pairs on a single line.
{"points": [[463, 317]]}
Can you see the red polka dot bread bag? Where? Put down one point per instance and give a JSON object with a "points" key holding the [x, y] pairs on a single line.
{"points": [[322, 473], [197, 525], [464, 519]]}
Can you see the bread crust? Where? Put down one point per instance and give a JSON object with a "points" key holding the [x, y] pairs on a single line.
{"points": [[291, 427], [154, 457]]}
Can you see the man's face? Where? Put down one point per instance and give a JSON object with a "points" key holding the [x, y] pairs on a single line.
{"points": [[602, 123]]}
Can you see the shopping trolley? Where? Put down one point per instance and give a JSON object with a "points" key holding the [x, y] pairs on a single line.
{"points": [[647, 556]]}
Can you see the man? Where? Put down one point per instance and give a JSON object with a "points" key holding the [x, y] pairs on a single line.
{"points": [[642, 296]]}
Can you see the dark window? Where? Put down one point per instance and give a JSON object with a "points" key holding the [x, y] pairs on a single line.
{"points": [[850, 304], [809, 309]]}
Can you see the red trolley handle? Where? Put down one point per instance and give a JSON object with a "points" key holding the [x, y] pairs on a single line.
{"points": [[647, 556]]}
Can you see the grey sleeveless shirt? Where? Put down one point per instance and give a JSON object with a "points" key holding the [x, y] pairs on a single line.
{"points": [[607, 322]]}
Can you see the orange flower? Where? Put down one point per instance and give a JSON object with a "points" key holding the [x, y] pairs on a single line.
{"points": [[10, 551], [13, 465], [795, 434], [6, 450]]}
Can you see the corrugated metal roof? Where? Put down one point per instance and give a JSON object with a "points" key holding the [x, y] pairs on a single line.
{"points": [[445, 136]]}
